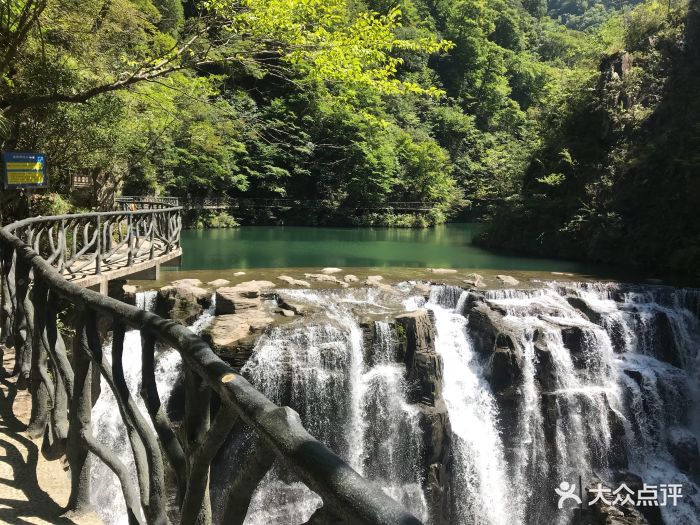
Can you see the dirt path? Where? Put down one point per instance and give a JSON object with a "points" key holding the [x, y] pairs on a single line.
{"points": [[32, 489]]}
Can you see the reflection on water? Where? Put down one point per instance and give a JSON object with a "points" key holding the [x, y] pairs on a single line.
{"points": [[293, 247]]}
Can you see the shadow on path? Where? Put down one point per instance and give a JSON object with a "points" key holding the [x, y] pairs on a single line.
{"points": [[32, 489]]}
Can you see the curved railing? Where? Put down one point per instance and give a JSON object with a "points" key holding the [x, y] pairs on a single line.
{"points": [[87, 244], [34, 291], [146, 202]]}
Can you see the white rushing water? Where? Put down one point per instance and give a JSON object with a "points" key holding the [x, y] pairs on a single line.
{"points": [[356, 406], [107, 425], [608, 381], [479, 475]]}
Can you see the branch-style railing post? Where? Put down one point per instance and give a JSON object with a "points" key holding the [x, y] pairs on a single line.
{"points": [[98, 248], [130, 241], [41, 384], [80, 416], [196, 508], [22, 333], [7, 294]]}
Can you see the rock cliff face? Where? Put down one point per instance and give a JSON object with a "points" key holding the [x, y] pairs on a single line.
{"points": [[415, 333]]}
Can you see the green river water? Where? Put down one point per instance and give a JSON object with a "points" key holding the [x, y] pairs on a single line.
{"points": [[445, 246]]}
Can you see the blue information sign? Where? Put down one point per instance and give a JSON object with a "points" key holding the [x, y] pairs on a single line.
{"points": [[23, 169]]}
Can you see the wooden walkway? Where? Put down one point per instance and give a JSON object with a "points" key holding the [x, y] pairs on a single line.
{"points": [[32, 489]]}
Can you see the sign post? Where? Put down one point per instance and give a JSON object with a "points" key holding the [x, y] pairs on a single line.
{"points": [[23, 169]]}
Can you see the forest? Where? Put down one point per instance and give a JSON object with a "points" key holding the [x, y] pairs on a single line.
{"points": [[570, 127]]}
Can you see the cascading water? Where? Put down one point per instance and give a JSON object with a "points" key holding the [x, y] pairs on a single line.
{"points": [[479, 480], [354, 405], [108, 428], [582, 409], [607, 381]]}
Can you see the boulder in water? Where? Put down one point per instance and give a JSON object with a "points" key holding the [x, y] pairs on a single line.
{"points": [[182, 301], [243, 296], [373, 280], [294, 282], [323, 278], [218, 283], [350, 278], [474, 280], [442, 271], [330, 271], [233, 336], [508, 280]]}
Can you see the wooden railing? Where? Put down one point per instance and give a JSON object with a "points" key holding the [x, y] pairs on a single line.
{"points": [[146, 202], [61, 386], [243, 203], [93, 243]]}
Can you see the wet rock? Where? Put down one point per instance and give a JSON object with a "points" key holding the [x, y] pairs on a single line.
{"points": [[416, 336], [323, 278], [296, 308], [422, 289], [574, 340], [238, 274], [505, 367], [119, 290], [442, 271], [508, 280], [285, 312], [474, 280], [373, 280], [544, 368], [434, 423], [294, 282], [485, 326], [182, 301], [349, 278], [683, 446], [617, 455], [218, 283], [244, 296], [663, 340], [329, 271], [602, 514], [233, 336], [586, 309]]}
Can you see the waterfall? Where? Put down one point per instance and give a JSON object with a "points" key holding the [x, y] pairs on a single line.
{"points": [[481, 493], [605, 381], [355, 405], [107, 425], [609, 385]]}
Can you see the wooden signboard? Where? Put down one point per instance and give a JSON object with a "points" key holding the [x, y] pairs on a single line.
{"points": [[81, 181], [23, 169]]}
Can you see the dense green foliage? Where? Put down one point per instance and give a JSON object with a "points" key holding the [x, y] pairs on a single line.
{"points": [[563, 118], [617, 177]]}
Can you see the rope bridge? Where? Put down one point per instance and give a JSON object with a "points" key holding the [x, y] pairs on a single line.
{"points": [[38, 256]]}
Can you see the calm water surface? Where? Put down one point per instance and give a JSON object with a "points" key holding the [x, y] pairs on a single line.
{"points": [[446, 246]]}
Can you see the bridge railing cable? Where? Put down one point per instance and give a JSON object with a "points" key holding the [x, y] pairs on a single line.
{"points": [[62, 381]]}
